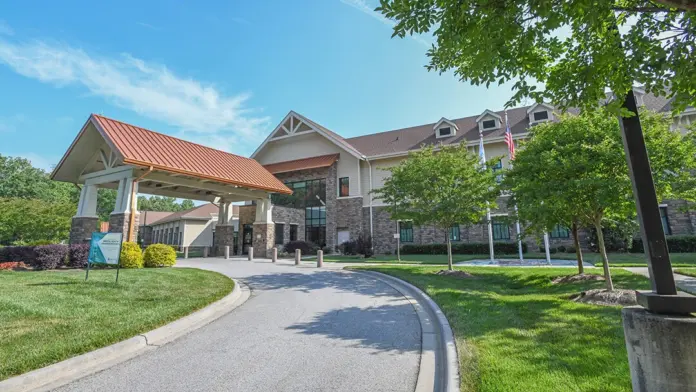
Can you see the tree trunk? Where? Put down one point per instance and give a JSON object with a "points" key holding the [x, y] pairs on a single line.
{"points": [[603, 252], [449, 253], [578, 251]]}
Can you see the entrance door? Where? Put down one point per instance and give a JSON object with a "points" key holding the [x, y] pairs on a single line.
{"points": [[247, 238]]}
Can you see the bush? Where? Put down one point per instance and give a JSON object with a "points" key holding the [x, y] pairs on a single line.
{"points": [[40, 242], [570, 249], [307, 248], [327, 250], [131, 255], [472, 248], [159, 255], [78, 255], [617, 238], [561, 249], [364, 246], [18, 253], [349, 248], [675, 244], [50, 256]]}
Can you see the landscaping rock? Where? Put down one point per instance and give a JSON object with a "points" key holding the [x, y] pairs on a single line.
{"points": [[618, 297], [455, 273], [576, 278]]}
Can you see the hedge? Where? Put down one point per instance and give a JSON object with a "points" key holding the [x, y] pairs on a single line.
{"points": [[131, 255], [675, 244], [50, 256], [77, 256], [473, 248]]}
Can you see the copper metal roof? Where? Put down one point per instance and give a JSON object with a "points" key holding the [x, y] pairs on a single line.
{"points": [[143, 147], [302, 164]]}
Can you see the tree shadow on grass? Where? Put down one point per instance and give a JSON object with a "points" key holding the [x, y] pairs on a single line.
{"points": [[386, 328], [53, 283], [307, 282]]}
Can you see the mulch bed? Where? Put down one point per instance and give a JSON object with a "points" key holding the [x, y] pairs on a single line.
{"points": [[576, 278], [455, 273], [618, 297]]}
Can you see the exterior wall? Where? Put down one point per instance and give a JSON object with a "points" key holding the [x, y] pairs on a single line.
{"points": [[247, 216], [312, 145], [118, 223], [81, 229], [197, 233], [349, 216], [146, 235], [681, 219], [289, 216]]}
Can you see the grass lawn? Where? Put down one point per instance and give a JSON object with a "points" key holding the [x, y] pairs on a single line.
{"points": [[686, 271], [516, 332], [49, 316], [615, 259]]}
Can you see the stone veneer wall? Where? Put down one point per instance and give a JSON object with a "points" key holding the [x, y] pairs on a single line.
{"points": [[289, 216], [224, 236], [349, 216], [81, 229], [263, 239], [118, 223], [681, 220], [247, 216]]}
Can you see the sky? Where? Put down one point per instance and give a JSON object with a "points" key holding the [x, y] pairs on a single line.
{"points": [[218, 73]]}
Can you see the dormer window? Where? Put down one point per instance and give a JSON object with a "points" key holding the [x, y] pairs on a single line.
{"points": [[488, 124], [445, 128], [541, 116], [540, 112]]}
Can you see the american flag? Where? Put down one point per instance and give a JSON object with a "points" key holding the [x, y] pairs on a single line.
{"points": [[508, 138]]}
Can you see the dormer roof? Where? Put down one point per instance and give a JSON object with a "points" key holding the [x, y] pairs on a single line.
{"points": [[445, 121], [488, 113]]}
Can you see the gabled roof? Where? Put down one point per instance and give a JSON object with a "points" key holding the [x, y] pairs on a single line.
{"points": [[316, 127], [142, 147], [147, 217], [536, 105], [302, 164], [488, 113], [202, 212], [444, 120]]}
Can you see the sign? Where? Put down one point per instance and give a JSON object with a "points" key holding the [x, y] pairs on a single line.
{"points": [[105, 248], [397, 236]]}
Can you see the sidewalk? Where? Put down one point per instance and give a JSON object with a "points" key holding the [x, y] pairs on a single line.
{"points": [[686, 283]]}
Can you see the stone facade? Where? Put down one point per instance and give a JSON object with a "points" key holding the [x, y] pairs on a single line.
{"points": [[263, 239], [349, 216], [247, 216], [224, 236], [288, 216], [81, 229], [118, 223], [681, 219]]}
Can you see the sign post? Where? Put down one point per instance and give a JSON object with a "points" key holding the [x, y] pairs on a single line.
{"points": [[105, 248]]}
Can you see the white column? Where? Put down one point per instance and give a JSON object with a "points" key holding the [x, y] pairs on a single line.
{"points": [[123, 197], [264, 211], [87, 207]]}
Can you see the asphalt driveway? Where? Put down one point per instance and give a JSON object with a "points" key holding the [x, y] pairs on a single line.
{"points": [[302, 329]]}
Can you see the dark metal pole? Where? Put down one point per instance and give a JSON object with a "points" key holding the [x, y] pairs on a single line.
{"points": [[651, 230]]}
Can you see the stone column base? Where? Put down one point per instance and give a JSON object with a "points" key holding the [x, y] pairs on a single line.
{"points": [[118, 223], [81, 229], [264, 239], [661, 350], [224, 236]]}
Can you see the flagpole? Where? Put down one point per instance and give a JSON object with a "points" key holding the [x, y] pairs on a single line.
{"points": [[517, 221], [482, 155]]}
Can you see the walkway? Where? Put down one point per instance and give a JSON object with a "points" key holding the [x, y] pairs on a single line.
{"points": [[686, 283], [302, 329]]}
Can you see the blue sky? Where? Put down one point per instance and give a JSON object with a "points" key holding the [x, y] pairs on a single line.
{"points": [[223, 74]]}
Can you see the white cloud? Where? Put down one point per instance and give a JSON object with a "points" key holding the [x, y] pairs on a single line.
{"points": [[362, 6], [5, 29], [149, 89]]}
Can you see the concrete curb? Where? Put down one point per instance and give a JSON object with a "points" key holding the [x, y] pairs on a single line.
{"points": [[61, 373], [439, 363]]}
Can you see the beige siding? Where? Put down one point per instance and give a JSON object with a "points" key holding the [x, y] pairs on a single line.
{"points": [[312, 145], [198, 233]]}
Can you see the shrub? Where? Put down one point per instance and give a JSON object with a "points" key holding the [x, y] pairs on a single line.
{"points": [[18, 253], [40, 242], [349, 248], [307, 248], [327, 250], [364, 246], [570, 249], [131, 255], [50, 256], [675, 244], [78, 255], [561, 249], [159, 255], [12, 265], [471, 248]]}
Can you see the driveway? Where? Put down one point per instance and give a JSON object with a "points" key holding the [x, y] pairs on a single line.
{"points": [[302, 329]]}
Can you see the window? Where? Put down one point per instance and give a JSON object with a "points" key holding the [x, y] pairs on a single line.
{"points": [[541, 116], [560, 231], [293, 232], [406, 231], [315, 225], [279, 232], [501, 230], [665, 221], [305, 194], [446, 131], [343, 186], [454, 233], [488, 124], [176, 236]]}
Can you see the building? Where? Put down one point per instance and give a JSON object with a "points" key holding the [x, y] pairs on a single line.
{"points": [[193, 228], [332, 177]]}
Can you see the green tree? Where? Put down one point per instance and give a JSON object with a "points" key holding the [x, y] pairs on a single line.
{"points": [[444, 188], [18, 178], [574, 171], [28, 220], [575, 48]]}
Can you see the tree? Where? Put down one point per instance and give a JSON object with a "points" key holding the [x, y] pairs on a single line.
{"points": [[162, 203], [28, 220], [574, 171], [576, 48], [445, 188], [19, 179]]}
